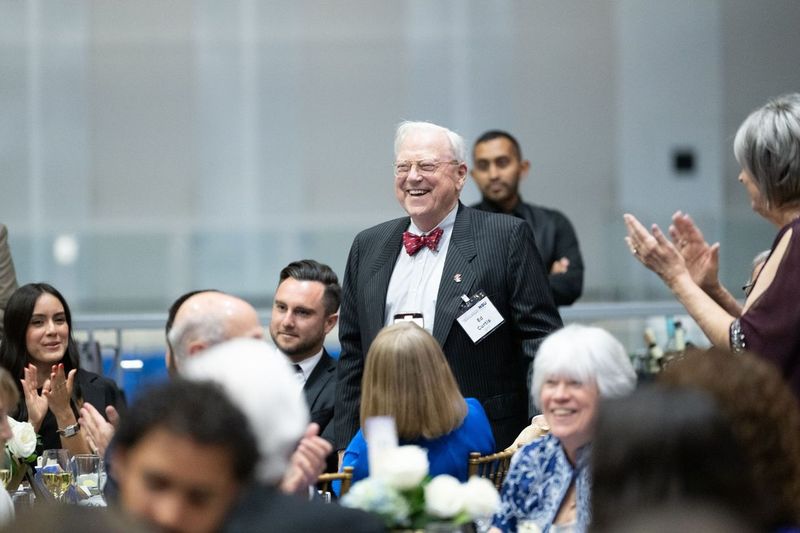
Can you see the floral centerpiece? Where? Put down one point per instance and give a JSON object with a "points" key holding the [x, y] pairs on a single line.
{"points": [[21, 449], [400, 490]]}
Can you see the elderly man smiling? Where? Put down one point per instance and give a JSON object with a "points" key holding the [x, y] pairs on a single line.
{"points": [[452, 270]]}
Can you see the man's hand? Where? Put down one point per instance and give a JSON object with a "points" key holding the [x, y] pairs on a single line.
{"points": [[560, 267], [307, 462], [99, 432]]}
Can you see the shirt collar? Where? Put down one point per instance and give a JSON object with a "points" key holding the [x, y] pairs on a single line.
{"points": [[307, 365]]}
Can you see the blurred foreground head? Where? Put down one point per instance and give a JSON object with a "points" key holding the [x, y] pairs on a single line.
{"points": [[662, 446], [764, 418], [182, 454], [258, 380]]}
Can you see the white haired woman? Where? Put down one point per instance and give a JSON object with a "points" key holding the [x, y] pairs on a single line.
{"points": [[767, 147], [548, 480]]}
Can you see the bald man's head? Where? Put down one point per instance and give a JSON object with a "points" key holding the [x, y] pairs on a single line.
{"points": [[209, 318]]}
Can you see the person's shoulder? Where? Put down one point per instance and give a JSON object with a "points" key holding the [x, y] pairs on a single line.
{"points": [[489, 220], [544, 446], [474, 406], [381, 229], [547, 212], [97, 380]]}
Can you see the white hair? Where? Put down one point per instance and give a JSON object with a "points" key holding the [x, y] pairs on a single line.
{"points": [[258, 380], [587, 354], [407, 127], [208, 327]]}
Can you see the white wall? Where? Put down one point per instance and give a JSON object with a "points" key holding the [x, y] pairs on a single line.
{"points": [[208, 143]]}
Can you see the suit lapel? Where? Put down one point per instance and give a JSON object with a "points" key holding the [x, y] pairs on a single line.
{"points": [[381, 272], [459, 256], [316, 381]]}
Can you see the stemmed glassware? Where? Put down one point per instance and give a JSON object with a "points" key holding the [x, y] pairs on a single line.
{"points": [[5, 468], [56, 472]]}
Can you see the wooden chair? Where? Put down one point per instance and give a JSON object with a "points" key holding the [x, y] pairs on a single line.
{"points": [[493, 467], [346, 477]]}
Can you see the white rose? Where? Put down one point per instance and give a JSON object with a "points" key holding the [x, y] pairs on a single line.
{"points": [[444, 496], [23, 441], [480, 497], [402, 468]]}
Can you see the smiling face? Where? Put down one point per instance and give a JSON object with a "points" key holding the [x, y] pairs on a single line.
{"points": [[48, 333], [570, 408], [428, 198], [497, 170], [299, 323]]}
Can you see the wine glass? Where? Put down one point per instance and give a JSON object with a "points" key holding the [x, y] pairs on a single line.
{"points": [[56, 472], [5, 468]]}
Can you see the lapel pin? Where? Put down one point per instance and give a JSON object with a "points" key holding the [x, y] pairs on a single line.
{"points": [[457, 278]]}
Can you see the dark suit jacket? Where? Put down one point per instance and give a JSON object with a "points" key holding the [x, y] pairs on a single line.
{"points": [[264, 508], [555, 238], [493, 253], [320, 391]]}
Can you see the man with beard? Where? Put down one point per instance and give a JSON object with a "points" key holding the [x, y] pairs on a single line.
{"points": [[497, 170], [304, 311]]}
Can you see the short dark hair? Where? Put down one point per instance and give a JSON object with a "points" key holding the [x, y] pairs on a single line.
{"points": [[310, 270], [199, 411], [14, 355], [498, 134]]}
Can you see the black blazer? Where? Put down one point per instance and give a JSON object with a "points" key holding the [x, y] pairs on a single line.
{"points": [[320, 392], [493, 253]]}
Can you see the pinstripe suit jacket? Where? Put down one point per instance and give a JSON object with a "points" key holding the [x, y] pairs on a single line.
{"points": [[494, 253]]}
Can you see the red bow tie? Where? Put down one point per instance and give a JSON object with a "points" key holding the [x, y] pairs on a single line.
{"points": [[413, 242]]}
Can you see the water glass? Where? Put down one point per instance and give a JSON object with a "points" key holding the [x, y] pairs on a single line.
{"points": [[87, 470]]}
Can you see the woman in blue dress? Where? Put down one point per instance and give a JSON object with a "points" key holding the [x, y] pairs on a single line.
{"points": [[407, 377]]}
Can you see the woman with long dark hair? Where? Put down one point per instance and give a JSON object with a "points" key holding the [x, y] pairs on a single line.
{"points": [[39, 351]]}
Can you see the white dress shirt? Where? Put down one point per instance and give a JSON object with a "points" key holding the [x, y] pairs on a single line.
{"points": [[307, 365], [414, 285]]}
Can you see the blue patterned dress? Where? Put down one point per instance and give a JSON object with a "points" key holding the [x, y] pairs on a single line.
{"points": [[537, 482]]}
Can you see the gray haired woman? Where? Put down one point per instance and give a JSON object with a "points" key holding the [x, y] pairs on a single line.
{"points": [[548, 480], [767, 146]]}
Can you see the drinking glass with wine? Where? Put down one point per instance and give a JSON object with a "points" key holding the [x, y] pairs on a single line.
{"points": [[5, 468], [56, 472]]}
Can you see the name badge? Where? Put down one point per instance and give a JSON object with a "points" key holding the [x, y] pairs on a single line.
{"points": [[479, 316], [416, 318]]}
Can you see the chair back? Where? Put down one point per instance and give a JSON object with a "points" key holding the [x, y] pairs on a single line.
{"points": [[345, 476], [493, 467]]}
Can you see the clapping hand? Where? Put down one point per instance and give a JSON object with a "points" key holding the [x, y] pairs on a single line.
{"points": [[36, 403], [99, 432], [59, 391], [654, 251], [307, 462], [702, 259]]}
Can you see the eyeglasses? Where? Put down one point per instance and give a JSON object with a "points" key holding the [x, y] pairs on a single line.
{"points": [[424, 168]]}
